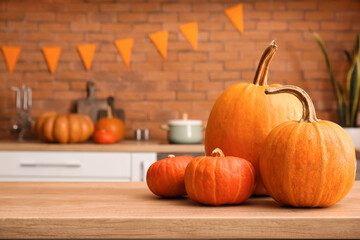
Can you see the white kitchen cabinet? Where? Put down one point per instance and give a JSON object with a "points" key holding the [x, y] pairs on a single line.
{"points": [[74, 166], [140, 162]]}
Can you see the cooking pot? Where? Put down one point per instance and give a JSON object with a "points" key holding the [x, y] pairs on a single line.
{"points": [[184, 131]]}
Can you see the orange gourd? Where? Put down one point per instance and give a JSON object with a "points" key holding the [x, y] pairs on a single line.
{"points": [[243, 116], [307, 163], [111, 124], [64, 128], [165, 178], [219, 180]]}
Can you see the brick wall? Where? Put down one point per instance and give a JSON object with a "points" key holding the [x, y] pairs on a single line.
{"points": [[153, 90]]}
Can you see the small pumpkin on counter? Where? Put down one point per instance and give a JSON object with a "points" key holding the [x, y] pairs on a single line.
{"points": [[307, 163], [219, 180], [111, 124], [104, 137], [64, 128], [243, 116], [165, 178]]}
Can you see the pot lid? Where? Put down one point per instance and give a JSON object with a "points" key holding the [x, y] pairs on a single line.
{"points": [[185, 122]]}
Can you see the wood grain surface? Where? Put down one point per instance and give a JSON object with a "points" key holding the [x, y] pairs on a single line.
{"points": [[121, 210], [123, 146]]}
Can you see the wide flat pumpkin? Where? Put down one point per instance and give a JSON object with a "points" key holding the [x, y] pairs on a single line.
{"points": [[64, 128], [219, 179]]}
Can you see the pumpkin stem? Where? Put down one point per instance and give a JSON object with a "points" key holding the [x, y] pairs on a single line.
{"points": [[217, 153], [171, 156], [309, 114], [260, 78], [109, 112]]}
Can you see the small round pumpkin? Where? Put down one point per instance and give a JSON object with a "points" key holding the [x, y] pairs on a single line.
{"points": [[104, 137], [64, 128], [243, 116], [165, 178], [111, 124], [307, 163], [219, 180]]}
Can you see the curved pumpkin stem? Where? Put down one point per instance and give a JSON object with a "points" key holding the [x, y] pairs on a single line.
{"points": [[260, 78], [171, 156], [309, 114], [217, 153]]}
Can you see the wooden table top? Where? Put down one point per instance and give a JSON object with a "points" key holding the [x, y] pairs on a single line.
{"points": [[123, 146], [128, 210]]}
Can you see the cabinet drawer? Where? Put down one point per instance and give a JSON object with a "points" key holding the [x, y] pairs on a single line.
{"points": [[65, 164]]}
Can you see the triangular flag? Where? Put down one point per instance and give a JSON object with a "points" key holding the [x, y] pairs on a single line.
{"points": [[160, 40], [236, 16], [86, 52], [124, 47], [190, 30], [52, 55], [11, 55]]}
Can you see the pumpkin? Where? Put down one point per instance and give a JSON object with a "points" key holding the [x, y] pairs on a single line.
{"points": [[218, 180], [111, 124], [307, 163], [104, 137], [243, 116], [165, 178], [64, 128]]}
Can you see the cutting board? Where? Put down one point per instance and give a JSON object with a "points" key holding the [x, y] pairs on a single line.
{"points": [[90, 106], [117, 113]]}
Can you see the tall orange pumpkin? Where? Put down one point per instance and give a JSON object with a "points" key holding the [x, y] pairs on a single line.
{"points": [[307, 163], [64, 128], [219, 179], [243, 116]]}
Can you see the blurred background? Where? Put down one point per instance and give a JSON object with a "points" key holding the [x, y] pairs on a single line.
{"points": [[153, 90]]}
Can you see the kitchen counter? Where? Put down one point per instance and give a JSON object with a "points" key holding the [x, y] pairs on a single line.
{"points": [[109, 210], [123, 146]]}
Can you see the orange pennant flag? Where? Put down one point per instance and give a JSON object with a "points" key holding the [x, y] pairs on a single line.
{"points": [[52, 55], [11, 55], [236, 16], [160, 40], [86, 52], [124, 47], [190, 30]]}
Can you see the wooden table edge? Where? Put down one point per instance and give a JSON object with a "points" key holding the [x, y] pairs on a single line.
{"points": [[178, 228]]}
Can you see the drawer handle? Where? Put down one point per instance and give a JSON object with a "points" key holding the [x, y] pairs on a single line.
{"points": [[35, 164]]}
